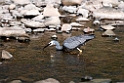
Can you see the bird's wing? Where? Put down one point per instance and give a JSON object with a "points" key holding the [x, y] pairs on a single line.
{"points": [[73, 42]]}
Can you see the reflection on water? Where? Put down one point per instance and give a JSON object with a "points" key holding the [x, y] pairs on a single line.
{"points": [[67, 65], [101, 58]]}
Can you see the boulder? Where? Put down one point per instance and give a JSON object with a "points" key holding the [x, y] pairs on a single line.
{"points": [[49, 80], [30, 10], [49, 10], [108, 13], [53, 20], [12, 32]]}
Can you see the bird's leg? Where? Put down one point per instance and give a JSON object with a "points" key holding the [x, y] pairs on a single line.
{"points": [[79, 50]]}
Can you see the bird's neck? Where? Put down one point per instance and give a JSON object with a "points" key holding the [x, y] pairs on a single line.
{"points": [[58, 46]]}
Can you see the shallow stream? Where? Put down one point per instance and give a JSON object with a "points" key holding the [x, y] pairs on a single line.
{"points": [[101, 58]]}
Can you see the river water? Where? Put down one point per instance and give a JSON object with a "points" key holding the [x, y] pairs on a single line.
{"points": [[101, 58]]}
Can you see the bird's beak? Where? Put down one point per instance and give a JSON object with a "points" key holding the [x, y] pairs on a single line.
{"points": [[46, 46]]}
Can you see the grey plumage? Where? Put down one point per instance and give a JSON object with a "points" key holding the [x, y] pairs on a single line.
{"points": [[75, 41]]}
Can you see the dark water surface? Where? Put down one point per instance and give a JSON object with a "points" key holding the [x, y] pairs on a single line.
{"points": [[101, 58]]}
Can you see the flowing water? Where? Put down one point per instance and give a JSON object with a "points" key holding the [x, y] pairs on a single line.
{"points": [[101, 58]]}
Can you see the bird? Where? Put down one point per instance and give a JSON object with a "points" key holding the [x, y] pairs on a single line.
{"points": [[71, 43]]}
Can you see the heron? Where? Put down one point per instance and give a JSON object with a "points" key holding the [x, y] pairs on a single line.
{"points": [[71, 43]]}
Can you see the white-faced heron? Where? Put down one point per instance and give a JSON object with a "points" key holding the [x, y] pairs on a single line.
{"points": [[71, 43]]}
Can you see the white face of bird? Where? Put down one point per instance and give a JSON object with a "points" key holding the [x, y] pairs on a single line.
{"points": [[52, 43], [49, 44]]}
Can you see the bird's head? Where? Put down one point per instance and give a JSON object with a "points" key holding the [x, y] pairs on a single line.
{"points": [[54, 38], [49, 44]]}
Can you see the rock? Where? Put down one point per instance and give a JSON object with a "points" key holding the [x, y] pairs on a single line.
{"points": [[66, 27], [6, 16], [121, 6], [38, 18], [31, 13], [6, 55], [28, 30], [108, 33], [81, 19], [12, 6], [71, 82], [101, 80], [16, 81], [21, 2], [52, 20], [0, 63], [23, 39], [113, 2], [70, 9], [30, 10], [16, 14], [30, 7], [88, 30], [12, 32], [50, 30], [116, 39], [107, 27], [48, 9], [39, 30], [49, 80], [108, 13], [32, 24], [71, 2], [96, 22], [6, 1], [39, 3], [15, 23], [75, 24], [53, 1], [83, 12], [86, 78]]}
